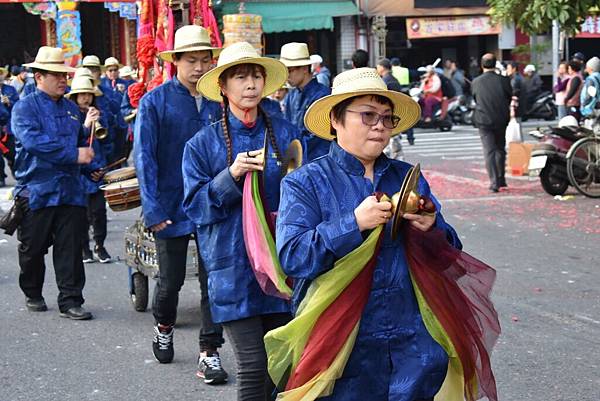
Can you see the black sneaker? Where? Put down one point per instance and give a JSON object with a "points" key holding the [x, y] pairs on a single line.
{"points": [[210, 369], [36, 305], [101, 254], [76, 313], [162, 344], [88, 257]]}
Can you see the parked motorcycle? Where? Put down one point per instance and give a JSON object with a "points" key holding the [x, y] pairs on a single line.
{"points": [[543, 107], [441, 119], [549, 157]]}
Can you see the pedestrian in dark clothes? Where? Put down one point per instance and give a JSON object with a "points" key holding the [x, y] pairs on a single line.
{"points": [[492, 93]]}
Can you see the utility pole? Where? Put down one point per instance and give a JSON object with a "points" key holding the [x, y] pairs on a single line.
{"points": [[555, 46]]}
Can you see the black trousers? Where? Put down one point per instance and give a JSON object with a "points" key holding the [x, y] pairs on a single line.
{"points": [[246, 336], [172, 256], [96, 217], [59, 227], [494, 143]]}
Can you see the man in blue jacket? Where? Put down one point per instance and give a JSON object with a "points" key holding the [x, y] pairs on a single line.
{"points": [[8, 98], [167, 118], [51, 145], [306, 90]]}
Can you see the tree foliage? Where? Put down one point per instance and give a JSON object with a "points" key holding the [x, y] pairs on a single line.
{"points": [[536, 16]]}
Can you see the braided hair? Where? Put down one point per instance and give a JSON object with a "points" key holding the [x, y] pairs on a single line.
{"points": [[225, 116]]}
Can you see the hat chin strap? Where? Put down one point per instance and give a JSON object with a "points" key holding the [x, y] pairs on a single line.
{"points": [[246, 119]]}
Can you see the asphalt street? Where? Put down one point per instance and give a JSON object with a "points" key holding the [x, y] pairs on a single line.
{"points": [[546, 252]]}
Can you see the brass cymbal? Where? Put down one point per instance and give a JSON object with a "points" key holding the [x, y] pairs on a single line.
{"points": [[293, 157], [407, 199]]}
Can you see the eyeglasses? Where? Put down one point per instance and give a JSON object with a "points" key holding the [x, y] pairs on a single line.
{"points": [[371, 118], [58, 75]]}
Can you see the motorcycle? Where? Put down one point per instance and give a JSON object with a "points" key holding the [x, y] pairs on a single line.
{"points": [[549, 157], [441, 119], [543, 107], [460, 109]]}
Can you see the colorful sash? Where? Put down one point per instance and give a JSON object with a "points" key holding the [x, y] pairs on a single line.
{"points": [[305, 359], [259, 234]]}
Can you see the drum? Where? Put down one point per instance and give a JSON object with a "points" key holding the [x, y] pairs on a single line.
{"points": [[121, 174], [122, 195]]}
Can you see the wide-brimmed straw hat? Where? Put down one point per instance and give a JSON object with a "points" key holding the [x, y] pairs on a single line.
{"points": [[91, 61], [295, 55], [127, 71], [85, 72], [112, 62], [242, 53], [190, 38], [83, 85], [353, 83], [50, 59]]}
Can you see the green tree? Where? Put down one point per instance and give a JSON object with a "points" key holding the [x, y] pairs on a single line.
{"points": [[536, 16]]}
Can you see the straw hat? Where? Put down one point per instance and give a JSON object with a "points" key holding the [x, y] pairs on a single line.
{"points": [[3, 71], [295, 55], [242, 53], [50, 59], [190, 38], [83, 85], [359, 82], [91, 61], [127, 71], [112, 61], [85, 72]]}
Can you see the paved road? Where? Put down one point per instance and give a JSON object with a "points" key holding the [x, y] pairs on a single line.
{"points": [[546, 253]]}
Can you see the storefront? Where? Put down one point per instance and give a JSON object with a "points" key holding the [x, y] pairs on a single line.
{"points": [[420, 31], [80, 28], [314, 22]]}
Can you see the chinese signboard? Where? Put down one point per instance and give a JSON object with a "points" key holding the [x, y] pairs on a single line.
{"points": [[590, 28], [421, 28]]}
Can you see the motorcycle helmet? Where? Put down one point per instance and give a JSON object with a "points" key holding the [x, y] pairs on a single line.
{"points": [[568, 122]]}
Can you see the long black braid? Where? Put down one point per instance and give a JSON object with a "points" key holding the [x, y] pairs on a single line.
{"points": [[227, 134]]}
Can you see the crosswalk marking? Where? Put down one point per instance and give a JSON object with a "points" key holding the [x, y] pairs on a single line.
{"points": [[451, 145]]}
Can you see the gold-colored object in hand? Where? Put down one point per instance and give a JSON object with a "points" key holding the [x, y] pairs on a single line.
{"points": [[293, 157], [408, 199], [129, 117], [98, 130]]}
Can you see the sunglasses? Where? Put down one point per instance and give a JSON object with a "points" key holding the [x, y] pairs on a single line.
{"points": [[372, 118]]}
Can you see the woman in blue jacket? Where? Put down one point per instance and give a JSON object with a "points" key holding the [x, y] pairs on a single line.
{"points": [[327, 209], [215, 163]]}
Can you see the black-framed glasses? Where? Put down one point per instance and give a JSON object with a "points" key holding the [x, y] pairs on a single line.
{"points": [[372, 118]]}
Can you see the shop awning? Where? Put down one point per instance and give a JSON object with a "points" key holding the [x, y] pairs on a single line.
{"points": [[286, 16], [405, 8]]}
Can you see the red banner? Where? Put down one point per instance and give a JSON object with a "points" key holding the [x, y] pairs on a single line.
{"points": [[85, 1], [590, 28], [436, 27]]}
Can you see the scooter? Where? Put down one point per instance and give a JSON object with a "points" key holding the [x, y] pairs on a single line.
{"points": [[460, 109], [441, 120], [549, 157], [543, 107]]}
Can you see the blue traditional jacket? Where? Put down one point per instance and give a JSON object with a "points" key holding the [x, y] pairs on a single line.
{"points": [[167, 118], [102, 149], [213, 201], [296, 102], [394, 357], [6, 110], [47, 134]]}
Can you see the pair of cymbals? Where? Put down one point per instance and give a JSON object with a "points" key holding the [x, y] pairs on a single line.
{"points": [[407, 199]]}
